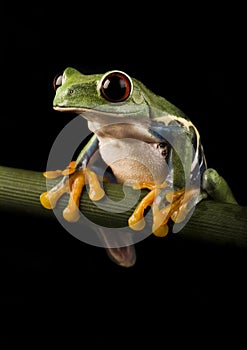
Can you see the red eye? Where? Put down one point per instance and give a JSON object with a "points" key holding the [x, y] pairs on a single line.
{"points": [[57, 81], [116, 87]]}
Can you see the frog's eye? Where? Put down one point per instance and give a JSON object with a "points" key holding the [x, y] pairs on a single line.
{"points": [[116, 86], [57, 81]]}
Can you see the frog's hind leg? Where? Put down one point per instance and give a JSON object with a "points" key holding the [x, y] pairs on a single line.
{"points": [[217, 187]]}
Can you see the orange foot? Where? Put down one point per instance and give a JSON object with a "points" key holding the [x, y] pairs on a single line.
{"points": [[73, 182], [177, 206]]}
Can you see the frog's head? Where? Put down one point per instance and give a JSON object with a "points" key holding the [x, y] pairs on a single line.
{"points": [[102, 98]]}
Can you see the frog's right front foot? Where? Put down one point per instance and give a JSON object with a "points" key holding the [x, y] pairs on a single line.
{"points": [[73, 182]]}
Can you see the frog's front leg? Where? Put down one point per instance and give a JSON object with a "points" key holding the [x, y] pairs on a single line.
{"points": [[75, 176], [166, 204], [217, 187]]}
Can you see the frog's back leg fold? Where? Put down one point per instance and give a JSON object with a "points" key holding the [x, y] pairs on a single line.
{"points": [[120, 247], [217, 187]]}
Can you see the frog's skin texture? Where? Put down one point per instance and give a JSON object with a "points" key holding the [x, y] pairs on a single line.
{"points": [[146, 141]]}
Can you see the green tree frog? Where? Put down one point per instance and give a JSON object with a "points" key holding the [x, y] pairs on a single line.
{"points": [[145, 141]]}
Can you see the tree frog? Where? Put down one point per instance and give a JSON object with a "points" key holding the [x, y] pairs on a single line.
{"points": [[145, 141]]}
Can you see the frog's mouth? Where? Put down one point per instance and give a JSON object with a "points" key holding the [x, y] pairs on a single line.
{"points": [[101, 116], [117, 125], [69, 109]]}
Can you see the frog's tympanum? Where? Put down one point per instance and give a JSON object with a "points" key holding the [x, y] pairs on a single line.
{"points": [[145, 141]]}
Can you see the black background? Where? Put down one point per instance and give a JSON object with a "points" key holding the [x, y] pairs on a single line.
{"points": [[56, 288]]}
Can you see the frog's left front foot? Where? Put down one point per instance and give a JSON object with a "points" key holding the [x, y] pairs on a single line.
{"points": [[176, 204], [73, 182]]}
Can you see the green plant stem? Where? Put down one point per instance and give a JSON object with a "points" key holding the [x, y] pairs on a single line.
{"points": [[212, 221]]}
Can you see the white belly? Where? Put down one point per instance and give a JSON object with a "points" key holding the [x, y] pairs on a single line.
{"points": [[133, 160]]}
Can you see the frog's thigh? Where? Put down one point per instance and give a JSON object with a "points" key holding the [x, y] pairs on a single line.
{"points": [[217, 187]]}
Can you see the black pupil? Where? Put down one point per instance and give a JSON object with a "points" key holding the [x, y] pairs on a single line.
{"points": [[115, 88]]}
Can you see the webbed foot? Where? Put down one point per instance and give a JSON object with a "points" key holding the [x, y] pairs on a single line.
{"points": [[73, 182], [166, 204]]}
